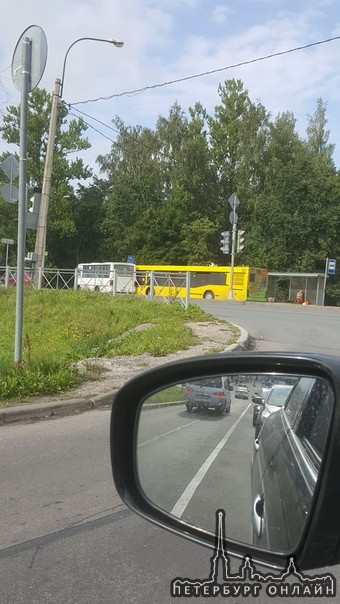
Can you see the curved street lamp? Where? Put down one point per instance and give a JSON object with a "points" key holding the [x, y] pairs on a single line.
{"points": [[40, 242], [114, 41]]}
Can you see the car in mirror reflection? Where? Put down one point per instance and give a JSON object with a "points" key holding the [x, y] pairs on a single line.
{"points": [[259, 399], [275, 399], [209, 394], [242, 392], [286, 464]]}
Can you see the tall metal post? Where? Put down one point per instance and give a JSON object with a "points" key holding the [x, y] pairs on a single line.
{"points": [[324, 283], [233, 218], [232, 263], [22, 201]]}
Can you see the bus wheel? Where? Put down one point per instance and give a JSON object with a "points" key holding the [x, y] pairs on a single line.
{"points": [[209, 295]]}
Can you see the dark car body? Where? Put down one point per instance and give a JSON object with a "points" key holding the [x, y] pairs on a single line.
{"points": [[286, 464], [208, 394]]}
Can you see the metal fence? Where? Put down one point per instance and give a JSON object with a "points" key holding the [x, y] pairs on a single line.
{"points": [[170, 287], [164, 287], [40, 279], [167, 287]]}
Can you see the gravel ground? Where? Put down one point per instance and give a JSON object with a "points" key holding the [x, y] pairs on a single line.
{"points": [[114, 372]]}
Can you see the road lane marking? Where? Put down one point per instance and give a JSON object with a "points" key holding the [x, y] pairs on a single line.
{"points": [[151, 440], [188, 493]]}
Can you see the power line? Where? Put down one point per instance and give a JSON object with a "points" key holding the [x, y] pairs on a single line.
{"points": [[141, 90], [123, 134], [92, 127], [205, 73]]}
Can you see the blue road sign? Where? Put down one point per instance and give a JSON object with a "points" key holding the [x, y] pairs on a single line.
{"points": [[331, 266]]}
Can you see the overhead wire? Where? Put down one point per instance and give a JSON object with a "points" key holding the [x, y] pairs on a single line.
{"points": [[183, 79], [126, 134], [210, 72]]}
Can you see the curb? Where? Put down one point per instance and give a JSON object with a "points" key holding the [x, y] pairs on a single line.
{"points": [[36, 411], [242, 343]]}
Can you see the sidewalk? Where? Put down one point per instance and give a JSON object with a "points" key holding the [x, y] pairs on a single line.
{"points": [[36, 410]]}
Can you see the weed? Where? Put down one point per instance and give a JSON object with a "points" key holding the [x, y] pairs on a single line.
{"points": [[63, 327]]}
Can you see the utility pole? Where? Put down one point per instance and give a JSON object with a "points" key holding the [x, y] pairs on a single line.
{"points": [[40, 243]]}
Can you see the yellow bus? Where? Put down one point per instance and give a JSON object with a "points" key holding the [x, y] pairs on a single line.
{"points": [[209, 282]]}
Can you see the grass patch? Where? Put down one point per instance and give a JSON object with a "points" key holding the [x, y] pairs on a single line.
{"points": [[168, 395], [63, 327]]}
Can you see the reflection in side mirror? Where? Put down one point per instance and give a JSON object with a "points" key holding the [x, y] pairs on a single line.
{"points": [[258, 400], [196, 454]]}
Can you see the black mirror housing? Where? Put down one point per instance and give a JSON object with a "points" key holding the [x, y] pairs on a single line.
{"points": [[320, 542]]}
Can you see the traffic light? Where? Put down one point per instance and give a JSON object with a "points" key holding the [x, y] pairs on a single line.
{"points": [[225, 242], [32, 213], [240, 241]]}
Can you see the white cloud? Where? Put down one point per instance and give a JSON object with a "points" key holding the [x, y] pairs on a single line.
{"points": [[170, 40], [220, 14]]}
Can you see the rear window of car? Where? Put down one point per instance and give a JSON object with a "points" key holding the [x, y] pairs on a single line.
{"points": [[214, 382]]}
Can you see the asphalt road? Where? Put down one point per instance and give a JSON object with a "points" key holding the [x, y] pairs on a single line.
{"points": [[65, 536], [192, 464], [283, 327]]}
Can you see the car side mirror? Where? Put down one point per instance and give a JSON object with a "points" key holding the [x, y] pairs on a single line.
{"points": [[177, 460], [258, 400]]}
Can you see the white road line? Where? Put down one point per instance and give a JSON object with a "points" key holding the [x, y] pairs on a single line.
{"points": [[185, 498], [147, 442]]}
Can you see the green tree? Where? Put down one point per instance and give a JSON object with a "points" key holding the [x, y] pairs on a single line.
{"points": [[159, 182], [69, 140], [295, 216], [198, 238], [318, 134], [239, 132]]}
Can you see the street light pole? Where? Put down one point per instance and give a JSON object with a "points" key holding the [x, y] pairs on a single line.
{"points": [[40, 243], [114, 41]]}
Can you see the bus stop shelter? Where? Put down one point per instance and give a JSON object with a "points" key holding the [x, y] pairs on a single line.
{"points": [[283, 287]]}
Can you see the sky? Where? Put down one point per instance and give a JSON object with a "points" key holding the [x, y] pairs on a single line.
{"points": [[166, 40]]}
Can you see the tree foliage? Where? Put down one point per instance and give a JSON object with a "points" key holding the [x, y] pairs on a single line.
{"points": [[69, 140], [162, 195]]}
